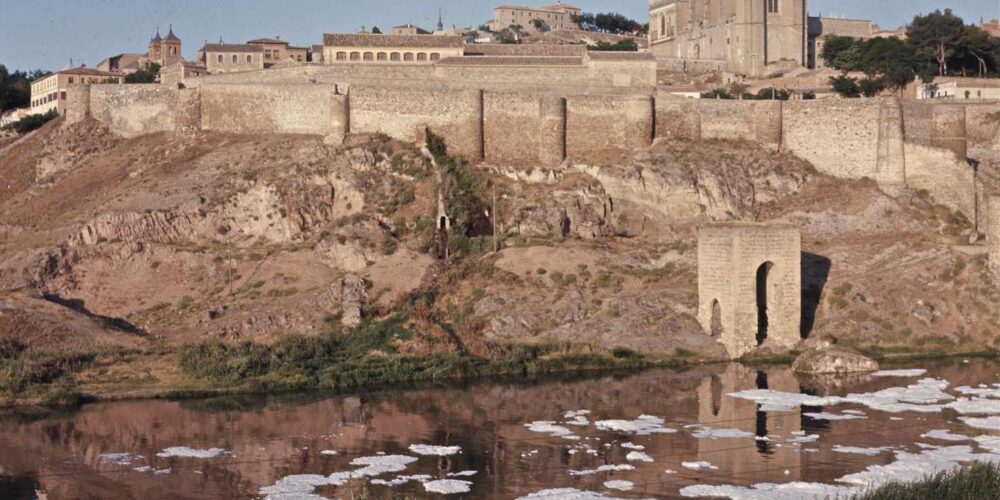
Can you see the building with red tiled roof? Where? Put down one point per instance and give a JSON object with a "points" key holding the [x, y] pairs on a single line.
{"points": [[49, 92]]}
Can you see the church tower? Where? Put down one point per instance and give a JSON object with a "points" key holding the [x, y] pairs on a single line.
{"points": [[171, 48], [154, 53]]}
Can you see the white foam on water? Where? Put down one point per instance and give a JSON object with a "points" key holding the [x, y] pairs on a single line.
{"points": [[988, 423], [549, 427], [855, 412], [328, 452], [185, 452], [448, 486], [800, 437], [975, 406], [833, 416], [577, 417], [401, 480], [118, 458], [706, 432], [989, 443], [698, 465], [870, 452], [428, 450], [910, 467], [922, 396], [153, 470], [915, 372], [565, 494], [303, 485], [464, 473], [945, 435], [769, 491], [982, 390], [638, 456], [644, 425], [619, 484], [602, 468], [633, 446], [670, 471]]}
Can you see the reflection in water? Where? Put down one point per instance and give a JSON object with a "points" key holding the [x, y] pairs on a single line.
{"points": [[273, 438]]}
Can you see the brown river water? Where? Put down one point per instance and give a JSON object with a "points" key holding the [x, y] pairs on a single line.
{"points": [[518, 438]]}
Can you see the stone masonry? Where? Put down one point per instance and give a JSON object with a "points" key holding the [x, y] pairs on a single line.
{"points": [[750, 285]]}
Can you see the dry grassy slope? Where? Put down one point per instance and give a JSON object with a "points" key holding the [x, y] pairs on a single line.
{"points": [[188, 236]]}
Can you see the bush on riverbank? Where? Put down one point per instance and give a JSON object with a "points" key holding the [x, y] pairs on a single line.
{"points": [[24, 370], [981, 481]]}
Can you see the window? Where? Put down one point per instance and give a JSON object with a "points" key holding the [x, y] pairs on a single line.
{"points": [[369, 56], [220, 58], [71, 79], [382, 56], [249, 59], [421, 57], [408, 56], [394, 56], [236, 59], [62, 95], [772, 6], [435, 56], [355, 56]]}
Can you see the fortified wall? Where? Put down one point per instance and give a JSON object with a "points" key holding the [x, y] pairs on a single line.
{"points": [[917, 146]]}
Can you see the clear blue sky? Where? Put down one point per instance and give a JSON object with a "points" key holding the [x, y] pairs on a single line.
{"points": [[47, 33]]}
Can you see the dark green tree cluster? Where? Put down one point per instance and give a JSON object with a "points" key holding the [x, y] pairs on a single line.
{"points": [[739, 92], [609, 22], [954, 48], [15, 88], [619, 46], [148, 74], [887, 63], [32, 122], [939, 43]]}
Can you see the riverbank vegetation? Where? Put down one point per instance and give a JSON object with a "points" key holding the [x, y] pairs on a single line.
{"points": [[981, 481]]}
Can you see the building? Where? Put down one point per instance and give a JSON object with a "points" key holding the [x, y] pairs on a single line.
{"points": [[558, 16], [13, 115], [370, 48], [179, 72], [277, 50], [747, 37], [409, 29], [49, 92], [164, 50], [231, 57], [959, 89], [123, 64]]}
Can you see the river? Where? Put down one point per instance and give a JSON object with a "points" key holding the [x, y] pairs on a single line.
{"points": [[718, 429]]}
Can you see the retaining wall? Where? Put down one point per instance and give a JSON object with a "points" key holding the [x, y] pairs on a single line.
{"points": [[279, 108]]}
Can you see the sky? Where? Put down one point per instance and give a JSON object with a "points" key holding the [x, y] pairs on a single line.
{"points": [[46, 34]]}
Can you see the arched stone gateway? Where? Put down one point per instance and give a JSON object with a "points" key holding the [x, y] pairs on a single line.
{"points": [[750, 285]]}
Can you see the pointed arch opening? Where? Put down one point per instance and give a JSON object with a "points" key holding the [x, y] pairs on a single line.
{"points": [[763, 272]]}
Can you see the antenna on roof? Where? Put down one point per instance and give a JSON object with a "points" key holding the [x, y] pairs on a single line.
{"points": [[440, 21]]}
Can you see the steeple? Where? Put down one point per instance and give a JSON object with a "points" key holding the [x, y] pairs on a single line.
{"points": [[440, 21], [157, 38], [171, 36]]}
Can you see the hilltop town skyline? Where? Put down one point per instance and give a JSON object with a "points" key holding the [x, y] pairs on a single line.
{"points": [[92, 34]]}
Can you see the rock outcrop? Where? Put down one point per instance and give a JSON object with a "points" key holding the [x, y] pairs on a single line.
{"points": [[836, 360]]}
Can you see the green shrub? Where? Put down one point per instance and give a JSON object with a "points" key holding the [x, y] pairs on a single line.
{"points": [[33, 122], [976, 481]]}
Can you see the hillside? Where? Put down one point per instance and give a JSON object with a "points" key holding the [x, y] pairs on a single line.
{"points": [[147, 245]]}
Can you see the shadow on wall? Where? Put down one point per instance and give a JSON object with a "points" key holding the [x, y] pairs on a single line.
{"points": [[815, 272]]}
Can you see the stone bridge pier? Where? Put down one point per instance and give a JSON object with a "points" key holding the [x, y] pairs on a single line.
{"points": [[750, 285]]}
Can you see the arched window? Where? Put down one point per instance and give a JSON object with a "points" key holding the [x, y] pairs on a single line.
{"points": [[249, 59], [355, 56], [382, 56], [236, 59], [220, 58], [408, 56], [435, 56], [421, 56], [394, 56], [369, 56], [341, 56]]}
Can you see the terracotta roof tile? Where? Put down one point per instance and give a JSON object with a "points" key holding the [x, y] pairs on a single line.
{"points": [[232, 47]]}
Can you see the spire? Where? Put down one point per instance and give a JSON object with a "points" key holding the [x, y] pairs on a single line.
{"points": [[171, 36], [440, 21], [157, 39]]}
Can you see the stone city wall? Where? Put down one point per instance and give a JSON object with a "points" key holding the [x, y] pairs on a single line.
{"points": [[600, 124], [133, 110], [280, 108]]}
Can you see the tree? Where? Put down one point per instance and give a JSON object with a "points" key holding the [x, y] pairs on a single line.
{"points": [[620, 46], [870, 86], [976, 49], [540, 25], [845, 86], [936, 36], [376, 31], [608, 22], [15, 88], [148, 74], [840, 52]]}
